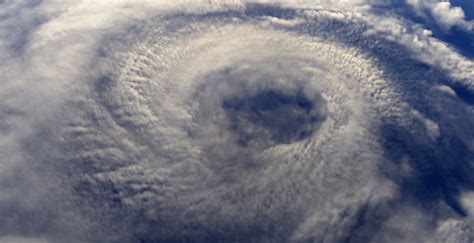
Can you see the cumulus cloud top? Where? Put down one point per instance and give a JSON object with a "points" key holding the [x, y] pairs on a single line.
{"points": [[445, 15]]}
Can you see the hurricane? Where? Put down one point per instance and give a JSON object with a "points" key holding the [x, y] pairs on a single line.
{"points": [[237, 121]]}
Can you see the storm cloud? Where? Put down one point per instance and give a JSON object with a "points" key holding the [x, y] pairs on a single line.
{"points": [[339, 121]]}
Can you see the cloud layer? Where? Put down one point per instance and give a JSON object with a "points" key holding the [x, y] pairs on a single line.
{"points": [[236, 121]]}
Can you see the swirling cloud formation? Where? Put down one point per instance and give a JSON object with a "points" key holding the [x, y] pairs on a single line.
{"points": [[342, 121]]}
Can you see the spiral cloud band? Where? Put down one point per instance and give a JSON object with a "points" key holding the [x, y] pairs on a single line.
{"points": [[345, 121]]}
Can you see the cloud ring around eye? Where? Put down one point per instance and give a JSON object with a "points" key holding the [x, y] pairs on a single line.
{"points": [[163, 122], [170, 76]]}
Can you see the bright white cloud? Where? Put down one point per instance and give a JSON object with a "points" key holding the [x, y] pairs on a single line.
{"points": [[445, 15]]}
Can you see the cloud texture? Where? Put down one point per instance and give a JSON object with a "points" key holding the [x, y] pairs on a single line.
{"points": [[234, 122]]}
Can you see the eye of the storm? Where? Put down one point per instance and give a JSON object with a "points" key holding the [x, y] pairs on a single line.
{"points": [[272, 117]]}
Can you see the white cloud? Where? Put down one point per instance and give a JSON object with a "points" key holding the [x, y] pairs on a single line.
{"points": [[445, 15], [137, 131], [425, 47], [446, 89]]}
